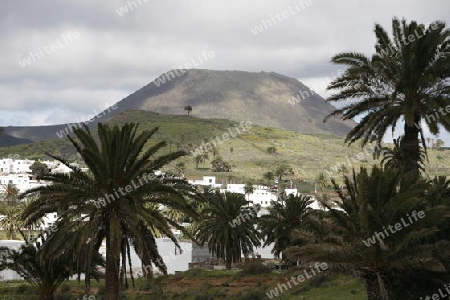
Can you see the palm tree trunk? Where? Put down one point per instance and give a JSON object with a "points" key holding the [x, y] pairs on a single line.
{"points": [[228, 263], [228, 258], [112, 285], [411, 149], [374, 287]]}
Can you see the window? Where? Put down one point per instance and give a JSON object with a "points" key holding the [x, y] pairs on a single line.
{"points": [[210, 180]]}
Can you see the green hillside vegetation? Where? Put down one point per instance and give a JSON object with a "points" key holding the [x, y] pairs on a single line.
{"points": [[309, 155], [198, 284]]}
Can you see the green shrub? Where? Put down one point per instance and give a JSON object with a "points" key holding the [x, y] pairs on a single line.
{"points": [[194, 272], [22, 289], [65, 288], [203, 297], [319, 280], [101, 291], [62, 297], [255, 268], [253, 295]]}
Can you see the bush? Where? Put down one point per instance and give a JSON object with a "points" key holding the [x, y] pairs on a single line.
{"points": [[101, 291], [65, 288], [203, 297], [319, 280], [62, 297], [22, 289], [253, 295], [194, 272], [255, 268]]}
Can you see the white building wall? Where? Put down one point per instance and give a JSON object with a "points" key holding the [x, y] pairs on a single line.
{"points": [[21, 181], [207, 180], [9, 165]]}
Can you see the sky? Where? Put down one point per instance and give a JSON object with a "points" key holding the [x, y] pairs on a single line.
{"points": [[64, 60]]}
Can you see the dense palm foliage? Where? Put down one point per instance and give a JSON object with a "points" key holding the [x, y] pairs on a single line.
{"points": [[116, 201], [406, 79], [10, 209], [44, 274], [10, 220], [228, 227], [283, 218], [389, 262], [394, 158], [9, 194]]}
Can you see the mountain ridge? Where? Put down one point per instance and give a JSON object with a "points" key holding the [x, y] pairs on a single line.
{"points": [[265, 98]]}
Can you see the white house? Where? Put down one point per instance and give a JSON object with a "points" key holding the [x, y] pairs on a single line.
{"points": [[207, 180], [21, 181], [261, 195], [62, 168], [10, 165]]}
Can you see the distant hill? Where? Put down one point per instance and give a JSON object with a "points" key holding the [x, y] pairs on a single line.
{"points": [[266, 99], [308, 154], [8, 140]]}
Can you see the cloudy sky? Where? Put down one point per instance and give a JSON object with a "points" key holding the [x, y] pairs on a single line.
{"points": [[62, 60]]}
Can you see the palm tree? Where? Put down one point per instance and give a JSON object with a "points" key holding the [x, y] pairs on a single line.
{"points": [[180, 168], [439, 190], [283, 170], [200, 158], [395, 158], [10, 222], [283, 218], [268, 177], [9, 194], [321, 182], [228, 227], [43, 273], [404, 79], [188, 108], [248, 189], [361, 239], [114, 201], [439, 144]]}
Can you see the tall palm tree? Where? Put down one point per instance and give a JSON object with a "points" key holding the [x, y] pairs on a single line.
{"points": [[228, 227], [406, 78], [283, 218], [114, 201], [248, 189], [364, 239]]}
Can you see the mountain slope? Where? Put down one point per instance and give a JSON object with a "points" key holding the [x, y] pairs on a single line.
{"points": [[247, 152], [267, 99]]}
